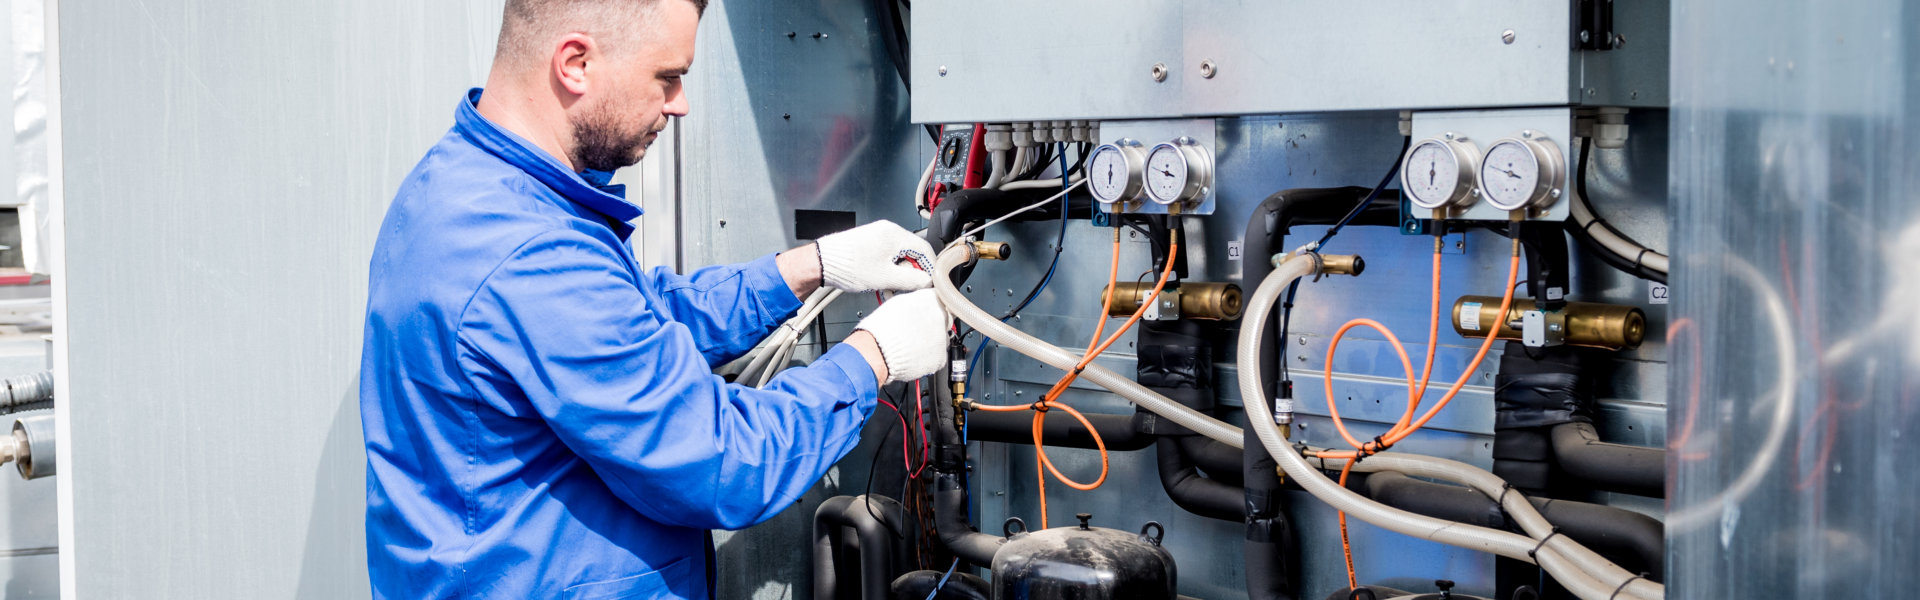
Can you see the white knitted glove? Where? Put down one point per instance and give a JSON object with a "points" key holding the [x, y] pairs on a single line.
{"points": [[878, 256], [911, 330]]}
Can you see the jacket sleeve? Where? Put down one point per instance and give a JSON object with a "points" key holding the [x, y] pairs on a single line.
{"points": [[728, 308], [629, 391]]}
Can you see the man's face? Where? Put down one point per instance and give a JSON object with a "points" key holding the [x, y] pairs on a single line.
{"points": [[635, 90]]}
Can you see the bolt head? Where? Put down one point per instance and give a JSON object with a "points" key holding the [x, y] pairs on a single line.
{"points": [[943, 70], [1207, 69], [1585, 37], [1506, 37], [1159, 71]]}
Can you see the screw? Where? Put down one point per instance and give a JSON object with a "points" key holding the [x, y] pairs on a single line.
{"points": [[1584, 38], [1159, 71], [819, 36], [1207, 69], [787, 116], [723, 223], [969, 289], [1303, 340], [1449, 135], [1460, 245], [1526, 133], [1619, 41], [943, 70], [1634, 94], [1009, 292], [1506, 37]]}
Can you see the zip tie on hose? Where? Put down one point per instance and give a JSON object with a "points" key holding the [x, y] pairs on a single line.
{"points": [[1501, 502], [1624, 584], [1543, 544], [1039, 406]]}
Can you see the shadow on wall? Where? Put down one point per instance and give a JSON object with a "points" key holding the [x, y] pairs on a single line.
{"points": [[340, 474]]}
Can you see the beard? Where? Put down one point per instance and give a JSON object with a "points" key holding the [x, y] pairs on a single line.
{"points": [[602, 141]]}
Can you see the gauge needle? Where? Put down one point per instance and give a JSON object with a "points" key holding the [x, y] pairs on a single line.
{"points": [[1109, 174], [1433, 169], [1165, 172], [1509, 173]]}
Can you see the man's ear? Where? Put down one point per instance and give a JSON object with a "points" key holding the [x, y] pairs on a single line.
{"points": [[570, 55]]}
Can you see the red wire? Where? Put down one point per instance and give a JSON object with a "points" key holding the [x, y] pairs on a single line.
{"points": [[920, 416], [905, 458]]}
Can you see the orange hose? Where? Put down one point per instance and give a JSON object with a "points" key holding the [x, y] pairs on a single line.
{"points": [[1048, 401], [1401, 430], [1346, 548]]}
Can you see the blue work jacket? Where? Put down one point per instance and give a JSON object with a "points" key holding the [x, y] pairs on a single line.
{"points": [[540, 414]]}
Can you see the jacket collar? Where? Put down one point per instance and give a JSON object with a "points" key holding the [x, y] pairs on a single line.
{"points": [[590, 189]]}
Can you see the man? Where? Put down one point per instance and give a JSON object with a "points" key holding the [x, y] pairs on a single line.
{"points": [[540, 414]]}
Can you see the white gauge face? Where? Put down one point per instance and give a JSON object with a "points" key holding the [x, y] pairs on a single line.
{"points": [[1167, 174], [1510, 175], [1110, 177], [1431, 176]]}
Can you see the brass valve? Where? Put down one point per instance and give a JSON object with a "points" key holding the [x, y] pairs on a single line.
{"points": [[1578, 323]]}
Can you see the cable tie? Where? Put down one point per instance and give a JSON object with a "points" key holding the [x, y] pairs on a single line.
{"points": [[1624, 584], [1543, 543], [1039, 406], [1637, 258], [1501, 502]]}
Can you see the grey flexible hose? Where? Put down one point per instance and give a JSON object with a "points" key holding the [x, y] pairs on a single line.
{"points": [[1573, 572], [1581, 571], [27, 392], [1013, 339]]}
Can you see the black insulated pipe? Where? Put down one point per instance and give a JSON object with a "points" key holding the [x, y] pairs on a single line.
{"points": [[1606, 466], [1120, 432], [874, 520], [950, 521]]}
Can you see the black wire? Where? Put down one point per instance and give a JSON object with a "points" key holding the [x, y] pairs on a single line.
{"points": [[1607, 256], [1059, 244], [1371, 196], [1286, 302], [877, 449]]}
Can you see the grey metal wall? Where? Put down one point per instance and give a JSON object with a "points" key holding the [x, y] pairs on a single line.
{"points": [[227, 164], [1794, 170]]}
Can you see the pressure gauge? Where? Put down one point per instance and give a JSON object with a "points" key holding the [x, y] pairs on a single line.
{"points": [[1179, 171], [1438, 172], [1522, 172], [1114, 172]]}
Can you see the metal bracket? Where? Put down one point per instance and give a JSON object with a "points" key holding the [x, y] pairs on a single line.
{"points": [[1593, 25]]}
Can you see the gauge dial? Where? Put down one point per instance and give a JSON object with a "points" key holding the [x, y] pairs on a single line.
{"points": [[1521, 173], [1114, 172], [1178, 172], [1439, 172]]}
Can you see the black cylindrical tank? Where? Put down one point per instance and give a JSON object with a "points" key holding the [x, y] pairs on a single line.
{"points": [[1083, 563]]}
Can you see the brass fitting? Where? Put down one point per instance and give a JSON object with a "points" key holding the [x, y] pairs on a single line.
{"points": [[1582, 323], [992, 250], [1207, 301], [1342, 264], [1330, 264]]}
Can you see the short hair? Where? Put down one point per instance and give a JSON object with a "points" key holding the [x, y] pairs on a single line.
{"points": [[529, 24]]}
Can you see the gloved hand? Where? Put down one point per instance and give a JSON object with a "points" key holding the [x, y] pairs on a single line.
{"points": [[911, 330], [878, 256]]}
